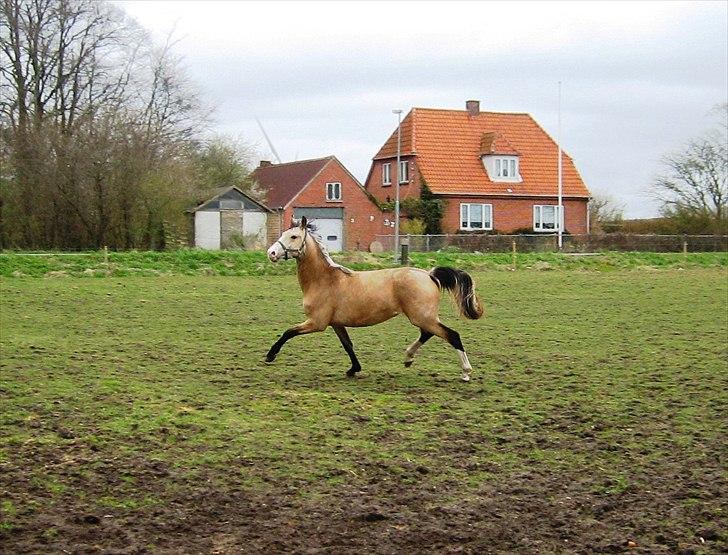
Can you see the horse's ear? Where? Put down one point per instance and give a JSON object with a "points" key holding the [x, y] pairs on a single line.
{"points": [[304, 222]]}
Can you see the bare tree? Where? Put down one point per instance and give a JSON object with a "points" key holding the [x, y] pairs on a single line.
{"points": [[97, 125], [695, 186], [605, 213]]}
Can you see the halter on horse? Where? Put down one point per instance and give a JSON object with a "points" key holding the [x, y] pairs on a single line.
{"points": [[339, 297]]}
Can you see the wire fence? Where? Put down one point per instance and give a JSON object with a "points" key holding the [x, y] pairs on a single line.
{"points": [[549, 243]]}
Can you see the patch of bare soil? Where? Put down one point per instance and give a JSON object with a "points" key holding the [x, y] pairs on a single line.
{"points": [[525, 513]]}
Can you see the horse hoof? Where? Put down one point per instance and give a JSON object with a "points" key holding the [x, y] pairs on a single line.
{"points": [[269, 359], [466, 378], [351, 373], [408, 363]]}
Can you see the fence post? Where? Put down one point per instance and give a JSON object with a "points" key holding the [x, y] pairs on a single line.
{"points": [[513, 253], [685, 247]]}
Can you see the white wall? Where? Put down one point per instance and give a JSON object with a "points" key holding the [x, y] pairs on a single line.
{"points": [[207, 230]]}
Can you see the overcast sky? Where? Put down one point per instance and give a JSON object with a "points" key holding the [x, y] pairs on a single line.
{"points": [[638, 79]]}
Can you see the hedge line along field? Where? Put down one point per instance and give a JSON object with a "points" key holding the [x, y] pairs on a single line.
{"points": [[193, 262], [137, 416]]}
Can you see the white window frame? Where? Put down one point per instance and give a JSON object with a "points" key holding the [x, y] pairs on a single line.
{"points": [[506, 168], [495, 166], [468, 226], [332, 188], [538, 221], [387, 173], [403, 172]]}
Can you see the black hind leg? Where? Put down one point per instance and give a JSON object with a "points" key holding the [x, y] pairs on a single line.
{"points": [[412, 349], [343, 336], [453, 337]]}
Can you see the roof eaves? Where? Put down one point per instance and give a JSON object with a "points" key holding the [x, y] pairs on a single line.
{"points": [[413, 139]]}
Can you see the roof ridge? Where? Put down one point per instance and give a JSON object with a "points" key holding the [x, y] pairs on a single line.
{"points": [[465, 111], [297, 162]]}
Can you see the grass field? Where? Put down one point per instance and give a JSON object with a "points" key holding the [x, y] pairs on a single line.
{"points": [[137, 415]]}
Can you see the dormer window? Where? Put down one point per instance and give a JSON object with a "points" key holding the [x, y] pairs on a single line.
{"points": [[502, 168], [505, 167]]}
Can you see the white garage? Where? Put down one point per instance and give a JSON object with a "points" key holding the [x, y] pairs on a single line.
{"points": [[230, 219], [329, 223]]}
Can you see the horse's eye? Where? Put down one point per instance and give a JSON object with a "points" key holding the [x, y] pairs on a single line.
{"points": [[294, 236]]}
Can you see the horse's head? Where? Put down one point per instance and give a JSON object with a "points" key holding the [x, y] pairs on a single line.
{"points": [[292, 244]]}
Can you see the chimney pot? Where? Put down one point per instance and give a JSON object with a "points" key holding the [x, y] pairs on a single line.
{"points": [[473, 107], [265, 163]]}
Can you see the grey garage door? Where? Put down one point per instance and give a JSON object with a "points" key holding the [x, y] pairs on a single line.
{"points": [[330, 224]]}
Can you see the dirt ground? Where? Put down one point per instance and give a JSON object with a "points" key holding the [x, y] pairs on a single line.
{"points": [[527, 513]]}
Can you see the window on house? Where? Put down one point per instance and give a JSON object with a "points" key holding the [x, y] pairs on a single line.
{"points": [[333, 191], [403, 171], [506, 167], [546, 217], [230, 204], [476, 216], [386, 174]]}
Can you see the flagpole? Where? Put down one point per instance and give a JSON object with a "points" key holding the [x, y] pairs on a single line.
{"points": [[396, 200], [560, 215]]}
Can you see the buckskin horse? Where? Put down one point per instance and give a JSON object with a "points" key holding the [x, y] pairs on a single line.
{"points": [[336, 296]]}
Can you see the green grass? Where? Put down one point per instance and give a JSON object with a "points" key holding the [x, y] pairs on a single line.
{"points": [[615, 376], [237, 263]]}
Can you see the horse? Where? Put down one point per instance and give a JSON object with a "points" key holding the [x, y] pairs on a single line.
{"points": [[336, 296]]}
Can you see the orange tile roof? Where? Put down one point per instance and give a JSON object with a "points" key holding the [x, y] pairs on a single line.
{"points": [[448, 145]]}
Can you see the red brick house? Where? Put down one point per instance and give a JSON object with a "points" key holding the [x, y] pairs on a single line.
{"points": [[496, 171], [325, 191]]}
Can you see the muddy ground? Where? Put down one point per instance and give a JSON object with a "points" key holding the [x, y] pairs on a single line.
{"points": [[528, 512]]}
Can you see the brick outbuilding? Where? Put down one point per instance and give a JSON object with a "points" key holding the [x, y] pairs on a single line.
{"points": [[325, 191]]}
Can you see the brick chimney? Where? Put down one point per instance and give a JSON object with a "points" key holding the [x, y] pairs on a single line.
{"points": [[473, 107], [265, 163]]}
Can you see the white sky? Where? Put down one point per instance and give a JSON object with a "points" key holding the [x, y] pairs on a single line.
{"points": [[639, 79]]}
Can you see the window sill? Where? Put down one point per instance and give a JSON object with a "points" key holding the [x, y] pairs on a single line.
{"points": [[387, 184], [332, 200], [476, 229], [497, 179]]}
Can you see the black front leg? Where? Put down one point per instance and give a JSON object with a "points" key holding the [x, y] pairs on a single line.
{"points": [[271, 356], [343, 336]]}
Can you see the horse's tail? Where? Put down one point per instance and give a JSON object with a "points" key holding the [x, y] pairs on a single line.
{"points": [[460, 284]]}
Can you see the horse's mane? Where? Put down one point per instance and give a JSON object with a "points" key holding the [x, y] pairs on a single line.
{"points": [[313, 232]]}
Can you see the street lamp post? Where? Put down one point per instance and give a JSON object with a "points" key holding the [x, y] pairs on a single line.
{"points": [[396, 194]]}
